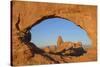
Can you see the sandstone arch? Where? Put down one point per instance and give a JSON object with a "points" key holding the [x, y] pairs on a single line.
{"points": [[84, 16]]}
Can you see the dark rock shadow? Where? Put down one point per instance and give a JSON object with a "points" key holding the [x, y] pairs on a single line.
{"points": [[35, 50], [77, 52], [73, 52]]}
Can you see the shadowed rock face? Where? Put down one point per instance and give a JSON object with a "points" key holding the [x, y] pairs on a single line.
{"points": [[24, 53], [77, 51], [26, 37]]}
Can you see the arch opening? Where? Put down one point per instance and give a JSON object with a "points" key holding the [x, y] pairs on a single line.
{"points": [[48, 30]]}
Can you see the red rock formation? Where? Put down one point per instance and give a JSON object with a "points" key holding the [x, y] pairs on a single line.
{"points": [[30, 13], [52, 48], [59, 41], [46, 49], [77, 45]]}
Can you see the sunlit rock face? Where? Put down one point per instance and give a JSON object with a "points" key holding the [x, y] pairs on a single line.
{"points": [[59, 41], [84, 16], [30, 13], [66, 48]]}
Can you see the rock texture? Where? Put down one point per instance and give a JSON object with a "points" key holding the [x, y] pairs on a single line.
{"points": [[65, 48], [59, 41], [27, 14]]}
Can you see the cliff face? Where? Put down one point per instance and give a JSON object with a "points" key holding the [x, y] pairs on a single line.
{"points": [[28, 14]]}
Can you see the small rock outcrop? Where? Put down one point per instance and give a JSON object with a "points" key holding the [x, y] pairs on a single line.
{"points": [[59, 41], [66, 48]]}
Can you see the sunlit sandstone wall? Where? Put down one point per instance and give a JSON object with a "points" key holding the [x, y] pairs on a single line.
{"points": [[83, 16], [30, 12]]}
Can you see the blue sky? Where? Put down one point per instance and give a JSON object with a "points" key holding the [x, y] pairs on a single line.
{"points": [[47, 32]]}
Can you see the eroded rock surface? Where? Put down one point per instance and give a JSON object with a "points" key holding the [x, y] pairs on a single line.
{"points": [[32, 13]]}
